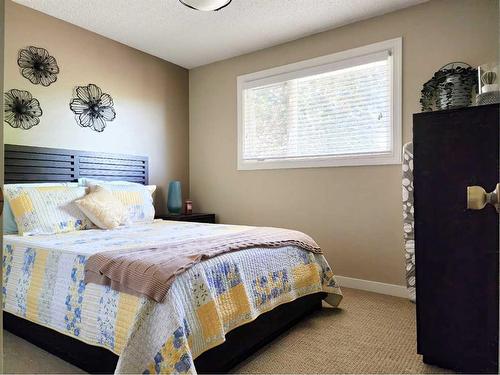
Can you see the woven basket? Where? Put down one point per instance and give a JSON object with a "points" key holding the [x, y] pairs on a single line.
{"points": [[453, 93]]}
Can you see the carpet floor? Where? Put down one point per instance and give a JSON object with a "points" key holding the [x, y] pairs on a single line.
{"points": [[369, 333]]}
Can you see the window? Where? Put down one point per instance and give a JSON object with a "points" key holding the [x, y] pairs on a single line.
{"points": [[336, 110]]}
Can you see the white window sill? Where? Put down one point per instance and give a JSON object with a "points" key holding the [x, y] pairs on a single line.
{"points": [[320, 162]]}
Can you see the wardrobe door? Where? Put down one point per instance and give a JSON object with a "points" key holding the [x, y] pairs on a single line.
{"points": [[456, 248]]}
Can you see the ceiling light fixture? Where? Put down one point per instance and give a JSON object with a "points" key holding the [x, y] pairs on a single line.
{"points": [[206, 5]]}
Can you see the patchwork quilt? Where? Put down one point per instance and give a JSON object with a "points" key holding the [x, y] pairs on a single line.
{"points": [[43, 282]]}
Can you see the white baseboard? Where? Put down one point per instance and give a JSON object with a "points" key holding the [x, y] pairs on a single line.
{"points": [[373, 286]]}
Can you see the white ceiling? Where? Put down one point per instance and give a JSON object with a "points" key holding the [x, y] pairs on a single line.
{"points": [[173, 32]]}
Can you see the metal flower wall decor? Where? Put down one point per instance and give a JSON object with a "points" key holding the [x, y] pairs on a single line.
{"points": [[38, 66], [21, 110], [92, 107]]}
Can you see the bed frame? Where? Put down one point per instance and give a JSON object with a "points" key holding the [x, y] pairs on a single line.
{"points": [[40, 164], [25, 164]]}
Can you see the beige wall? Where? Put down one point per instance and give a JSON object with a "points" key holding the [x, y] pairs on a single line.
{"points": [[150, 95], [354, 213]]}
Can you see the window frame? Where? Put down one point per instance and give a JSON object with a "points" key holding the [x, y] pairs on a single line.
{"points": [[318, 65]]}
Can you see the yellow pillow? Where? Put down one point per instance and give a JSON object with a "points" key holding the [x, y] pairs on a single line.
{"points": [[103, 208]]}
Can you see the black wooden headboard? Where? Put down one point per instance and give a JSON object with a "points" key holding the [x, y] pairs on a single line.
{"points": [[40, 164]]}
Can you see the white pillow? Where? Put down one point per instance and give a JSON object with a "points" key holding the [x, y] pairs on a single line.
{"points": [[151, 188], [85, 181]]}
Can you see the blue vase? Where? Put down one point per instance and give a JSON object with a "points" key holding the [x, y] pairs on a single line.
{"points": [[174, 200]]}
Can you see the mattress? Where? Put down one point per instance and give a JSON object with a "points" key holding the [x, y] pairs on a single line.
{"points": [[43, 282]]}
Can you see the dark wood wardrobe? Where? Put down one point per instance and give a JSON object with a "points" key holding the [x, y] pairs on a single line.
{"points": [[456, 152]]}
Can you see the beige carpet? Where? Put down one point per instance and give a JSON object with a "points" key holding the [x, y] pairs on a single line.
{"points": [[370, 333]]}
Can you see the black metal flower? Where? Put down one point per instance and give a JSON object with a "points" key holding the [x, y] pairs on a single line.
{"points": [[92, 108], [37, 65], [21, 109]]}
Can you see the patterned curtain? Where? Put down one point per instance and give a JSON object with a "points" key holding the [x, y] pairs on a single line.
{"points": [[408, 222]]}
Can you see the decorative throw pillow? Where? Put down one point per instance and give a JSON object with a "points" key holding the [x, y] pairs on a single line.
{"points": [[103, 208], [136, 198], [47, 209], [9, 223]]}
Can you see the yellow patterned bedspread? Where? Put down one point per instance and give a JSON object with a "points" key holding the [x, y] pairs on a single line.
{"points": [[43, 282]]}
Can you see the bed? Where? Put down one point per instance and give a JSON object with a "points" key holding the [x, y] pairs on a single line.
{"points": [[217, 312]]}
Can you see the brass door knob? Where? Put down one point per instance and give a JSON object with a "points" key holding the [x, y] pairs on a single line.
{"points": [[478, 198]]}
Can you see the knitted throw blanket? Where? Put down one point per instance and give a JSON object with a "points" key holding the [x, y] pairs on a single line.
{"points": [[151, 271]]}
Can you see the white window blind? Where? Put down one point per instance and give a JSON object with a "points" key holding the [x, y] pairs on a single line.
{"points": [[340, 112]]}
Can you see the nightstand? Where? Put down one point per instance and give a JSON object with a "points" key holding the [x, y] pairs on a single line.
{"points": [[195, 217]]}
